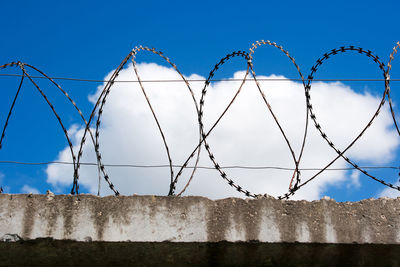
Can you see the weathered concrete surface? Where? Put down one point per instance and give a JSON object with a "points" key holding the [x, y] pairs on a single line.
{"points": [[198, 219]]}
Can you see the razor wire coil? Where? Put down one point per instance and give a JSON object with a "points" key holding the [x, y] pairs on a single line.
{"points": [[296, 180]]}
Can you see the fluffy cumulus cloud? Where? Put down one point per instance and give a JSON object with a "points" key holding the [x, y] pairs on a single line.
{"points": [[246, 136], [29, 189], [388, 192], [5, 188]]}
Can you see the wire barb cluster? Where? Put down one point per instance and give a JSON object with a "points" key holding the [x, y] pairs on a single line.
{"points": [[296, 179]]}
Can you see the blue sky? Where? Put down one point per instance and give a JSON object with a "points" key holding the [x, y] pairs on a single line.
{"points": [[89, 39]]}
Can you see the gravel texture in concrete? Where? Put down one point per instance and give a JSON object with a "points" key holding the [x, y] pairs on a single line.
{"points": [[198, 219]]}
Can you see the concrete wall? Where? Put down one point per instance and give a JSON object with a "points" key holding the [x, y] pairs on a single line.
{"points": [[198, 219]]}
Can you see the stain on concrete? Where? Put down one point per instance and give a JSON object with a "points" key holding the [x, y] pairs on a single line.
{"points": [[302, 232], [67, 212], [50, 214], [244, 218], [28, 220], [218, 218], [180, 219], [270, 225], [100, 214]]}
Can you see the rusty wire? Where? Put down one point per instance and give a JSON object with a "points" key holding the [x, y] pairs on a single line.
{"points": [[389, 66], [295, 183], [23, 66]]}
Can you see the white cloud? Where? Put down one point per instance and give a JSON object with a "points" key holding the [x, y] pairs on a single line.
{"points": [[5, 188], [389, 192], [354, 180], [28, 189], [1, 180], [247, 135]]}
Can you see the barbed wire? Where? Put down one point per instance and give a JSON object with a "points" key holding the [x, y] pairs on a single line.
{"points": [[121, 165], [296, 181]]}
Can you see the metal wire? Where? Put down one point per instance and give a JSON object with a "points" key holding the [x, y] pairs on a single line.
{"points": [[340, 153], [23, 66], [295, 181], [198, 80], [192, 167]]}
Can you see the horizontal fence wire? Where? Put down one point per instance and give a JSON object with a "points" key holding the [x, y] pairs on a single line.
{"points": [[200, 80], [92, 129], [192, 167]]}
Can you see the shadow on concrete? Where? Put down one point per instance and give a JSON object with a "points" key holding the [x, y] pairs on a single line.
{"points": [[48, 252]]}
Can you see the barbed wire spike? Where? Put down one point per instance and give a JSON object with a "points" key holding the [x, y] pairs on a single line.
{"points": [[297, 171]]}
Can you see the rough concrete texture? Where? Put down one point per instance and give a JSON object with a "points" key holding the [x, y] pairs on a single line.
{"points": [[198, 219]]}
